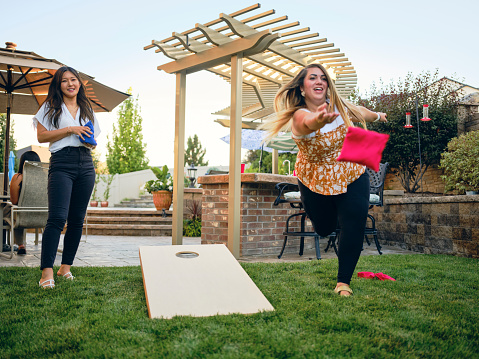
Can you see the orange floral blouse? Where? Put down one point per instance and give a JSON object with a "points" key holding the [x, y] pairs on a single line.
{"points": [[316, 165]]}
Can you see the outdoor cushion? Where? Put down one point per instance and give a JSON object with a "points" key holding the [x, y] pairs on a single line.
{"points": [[363, 147], [374, 199], [292, 195], [90, 140]]}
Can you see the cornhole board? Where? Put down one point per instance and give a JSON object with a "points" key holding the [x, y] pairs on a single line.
{"points": [[198, 281]]}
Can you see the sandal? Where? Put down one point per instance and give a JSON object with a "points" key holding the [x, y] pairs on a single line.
{"points": [[49, 283], [68, 276], [344, 288]]}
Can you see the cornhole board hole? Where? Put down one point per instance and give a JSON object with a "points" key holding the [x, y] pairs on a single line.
{"points": [[198, 281]]}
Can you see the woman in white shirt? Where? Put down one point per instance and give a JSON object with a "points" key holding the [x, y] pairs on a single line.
{"points": [[61, 122]]}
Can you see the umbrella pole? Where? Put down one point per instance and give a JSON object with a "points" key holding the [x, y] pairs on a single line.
{"points": [[261, 158], [7, 147]]}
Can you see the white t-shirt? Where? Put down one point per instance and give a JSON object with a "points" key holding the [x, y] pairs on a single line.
{"points": [[325, 129], [65, 120]]}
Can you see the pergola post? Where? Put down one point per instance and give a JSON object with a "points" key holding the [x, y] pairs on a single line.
{"points": [[179, 163], [234, 200], [275, 163]]}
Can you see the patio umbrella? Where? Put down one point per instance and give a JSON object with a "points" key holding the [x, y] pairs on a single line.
{"points": [[11, 165], [283, 142], [252, 140], [24, 81]]}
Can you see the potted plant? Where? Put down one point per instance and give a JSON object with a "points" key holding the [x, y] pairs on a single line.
{"points": [[460, 163], [94, 199], [161, 188], [107, 178]]}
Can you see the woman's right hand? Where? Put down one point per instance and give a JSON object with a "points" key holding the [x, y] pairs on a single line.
{"points": [[322, 117], [305, 122], [80, 131]]}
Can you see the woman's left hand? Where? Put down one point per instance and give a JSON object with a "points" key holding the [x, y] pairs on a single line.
{"points": [[383, 117]]}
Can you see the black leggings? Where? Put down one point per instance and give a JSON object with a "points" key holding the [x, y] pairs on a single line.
{"points": [[350, 209], [71, 178]]}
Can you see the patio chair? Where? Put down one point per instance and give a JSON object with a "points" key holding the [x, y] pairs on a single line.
{"points": [[32, 208], [376, 189], [289, 193], [4, 199]]}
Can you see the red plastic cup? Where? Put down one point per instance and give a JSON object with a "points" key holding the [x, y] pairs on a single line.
{"points": [[242, 167]]}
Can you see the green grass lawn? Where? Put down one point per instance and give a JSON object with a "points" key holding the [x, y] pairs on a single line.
{"points": [[431, 310]]}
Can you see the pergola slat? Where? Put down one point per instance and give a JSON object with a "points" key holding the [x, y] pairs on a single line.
{"points": [[318, 41], [308, 36], [294, 32]]}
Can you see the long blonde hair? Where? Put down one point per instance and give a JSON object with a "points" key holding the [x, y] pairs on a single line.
{"points": [[288, 100]]}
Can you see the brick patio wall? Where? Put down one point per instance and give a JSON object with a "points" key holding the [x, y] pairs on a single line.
{"points": [[445, 225], [262, 223]]}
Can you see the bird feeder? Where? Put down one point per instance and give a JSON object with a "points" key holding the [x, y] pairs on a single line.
{"points": [[408, 120], [425, 113]]}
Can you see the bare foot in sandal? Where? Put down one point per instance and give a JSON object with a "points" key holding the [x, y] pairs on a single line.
{"points": [[64, 272], [343, 289], [46, 281]]}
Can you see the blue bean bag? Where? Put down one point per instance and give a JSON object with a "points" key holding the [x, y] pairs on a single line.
{"points": [[90, 140]]}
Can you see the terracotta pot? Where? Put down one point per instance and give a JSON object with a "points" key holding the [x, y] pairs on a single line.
{"points": [[104, 203], [93, 203], [162, 199]]}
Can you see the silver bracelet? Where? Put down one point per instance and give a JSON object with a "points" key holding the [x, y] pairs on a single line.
{"points": [[379, 117]]}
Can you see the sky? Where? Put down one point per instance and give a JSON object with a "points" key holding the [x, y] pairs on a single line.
{"points": [[384, 40]]}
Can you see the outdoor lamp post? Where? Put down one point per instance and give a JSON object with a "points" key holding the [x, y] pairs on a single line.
{"points": [[192, 175], [425, 117]]}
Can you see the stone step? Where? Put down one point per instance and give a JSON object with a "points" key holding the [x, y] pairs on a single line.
{"points": [[136, 205], [116, 212], [129, 220], [128, 229], [138, 200], [145, 201]]}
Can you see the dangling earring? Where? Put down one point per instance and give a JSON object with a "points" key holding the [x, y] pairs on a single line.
{"points": [[302, 93]]}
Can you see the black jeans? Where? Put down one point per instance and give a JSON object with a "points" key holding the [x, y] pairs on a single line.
{"points": [[350, 211], [71, 178]]}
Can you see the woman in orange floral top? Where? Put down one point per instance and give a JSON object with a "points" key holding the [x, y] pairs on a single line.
{"points": [[332, 192]]}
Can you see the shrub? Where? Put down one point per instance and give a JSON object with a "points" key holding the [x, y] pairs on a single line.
{"points": [[192, 227], [460, 163]]}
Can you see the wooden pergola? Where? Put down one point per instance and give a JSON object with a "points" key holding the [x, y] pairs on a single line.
{"points": [[257, 54]]}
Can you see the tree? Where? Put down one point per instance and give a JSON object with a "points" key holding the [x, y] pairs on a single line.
{"points": [[194, 153], [402, 149], [13, 144], [253, 157], [126, 152]]}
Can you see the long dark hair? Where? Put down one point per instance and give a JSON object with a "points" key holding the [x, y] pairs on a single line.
{"points": [[55, 98], [27, 156]]}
